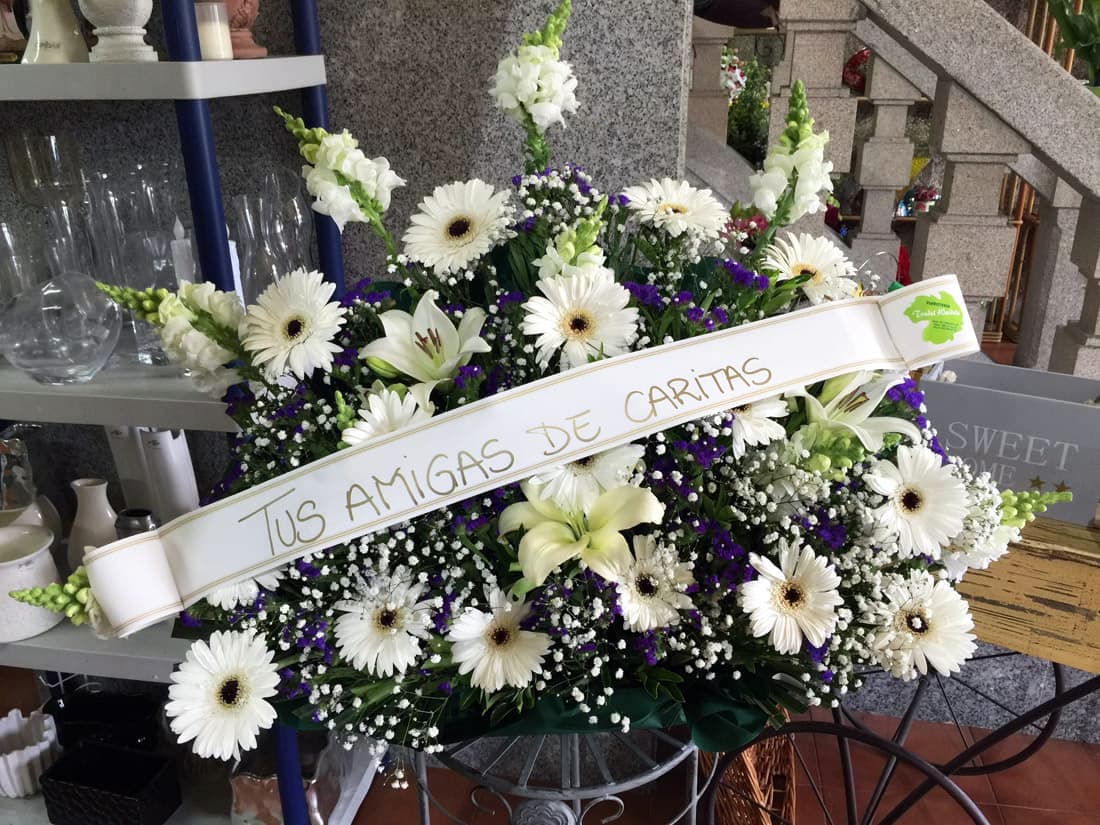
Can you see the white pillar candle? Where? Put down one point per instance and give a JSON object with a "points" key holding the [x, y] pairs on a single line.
{"points": [[212, 19]]}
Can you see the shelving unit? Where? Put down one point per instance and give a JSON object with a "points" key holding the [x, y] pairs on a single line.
{"points": [[129, 395], [32, 811], [160, 81], [148, 656]]}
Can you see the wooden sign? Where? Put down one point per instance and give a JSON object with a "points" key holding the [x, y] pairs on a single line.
{"points": [[1043, 598], [1030, 430]]}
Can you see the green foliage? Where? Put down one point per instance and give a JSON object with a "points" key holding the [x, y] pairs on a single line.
{"points": [[1019, 508], [747, 122], [70, 599], [144, 303], [1080, 31]]}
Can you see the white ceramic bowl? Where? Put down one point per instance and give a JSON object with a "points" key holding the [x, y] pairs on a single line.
{"points": [[28, 745], [25, 561]]}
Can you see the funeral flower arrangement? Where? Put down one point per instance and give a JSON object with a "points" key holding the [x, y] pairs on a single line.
{"points": [[710, 574]]}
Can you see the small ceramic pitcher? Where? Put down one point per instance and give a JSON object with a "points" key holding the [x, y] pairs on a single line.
{"points": [[94, 524]]}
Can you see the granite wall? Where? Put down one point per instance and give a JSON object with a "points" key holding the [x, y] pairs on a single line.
{"points": [[410, 78]]}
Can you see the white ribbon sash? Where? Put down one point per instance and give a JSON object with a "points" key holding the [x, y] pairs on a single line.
{"points": [[511, 436]]}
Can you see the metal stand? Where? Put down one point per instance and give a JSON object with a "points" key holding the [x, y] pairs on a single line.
{"points": [[288, 767], [516, 764], [199, 153]]}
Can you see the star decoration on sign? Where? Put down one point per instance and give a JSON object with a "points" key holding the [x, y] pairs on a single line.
{"points": [[1061, 487], [1036, 483]]}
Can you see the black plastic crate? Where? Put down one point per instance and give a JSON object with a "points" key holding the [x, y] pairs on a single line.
{"points": [[101, 784]]}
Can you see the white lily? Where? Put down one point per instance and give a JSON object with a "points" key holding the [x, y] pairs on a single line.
{"points": [[852, 407], [426, 345], [554, 536]]}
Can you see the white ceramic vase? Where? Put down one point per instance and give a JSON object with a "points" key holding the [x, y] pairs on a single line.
{"points": [[29, 747], [55, 34], [94, 524], [25, 562], [120, 29]]}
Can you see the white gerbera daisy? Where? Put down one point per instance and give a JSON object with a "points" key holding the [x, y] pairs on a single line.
{"points": [[292, 324], [754, 424], [925, 502], [385, 411], [830, 272], [584, 316], [651, 589], [244, 593], [381, 631], [492, 648], [923, 623], [678, 207], [576, 486], [456, 225], [797, 599], [218, 696]]}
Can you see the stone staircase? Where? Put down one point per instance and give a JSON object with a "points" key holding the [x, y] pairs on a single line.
{"points": [[999, 104]]}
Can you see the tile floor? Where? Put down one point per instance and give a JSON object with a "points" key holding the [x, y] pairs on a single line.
{"points": [[1060, 785]]}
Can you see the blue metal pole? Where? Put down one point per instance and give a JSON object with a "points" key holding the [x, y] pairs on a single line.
{"points": [[288, 768], [199, 154], [307, 40]]}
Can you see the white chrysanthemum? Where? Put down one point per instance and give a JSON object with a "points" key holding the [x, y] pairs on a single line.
{"points": [[796, 599], [925, 501], [244, 593], [584, 316], [678, 207], [754, 424], [330, 197], [224, 307], [218, 696], [493, 649], [381, 632], [456, 225], [576, 486], [292, 324], [651, 589], [589, 262], [341, 153], [829, 270], [923, 623], [533, 81], [385, 411]]}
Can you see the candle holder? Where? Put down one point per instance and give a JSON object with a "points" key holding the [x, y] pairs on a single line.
{"points": [[120, 27]]}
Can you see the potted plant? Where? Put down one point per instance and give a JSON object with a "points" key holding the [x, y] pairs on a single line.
{"points": [[1080, 31]]}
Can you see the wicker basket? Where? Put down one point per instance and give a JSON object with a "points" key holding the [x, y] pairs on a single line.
{"points": [[760, 782]]}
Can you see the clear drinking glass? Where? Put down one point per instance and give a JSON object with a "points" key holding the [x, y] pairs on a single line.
{"points": [[22, 264], [45, 168], [147, 262], [293, 216], [262, 262], [68, 243], [62, 332]]}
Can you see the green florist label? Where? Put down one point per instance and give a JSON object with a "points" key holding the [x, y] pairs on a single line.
{"points": [[943, 314]]}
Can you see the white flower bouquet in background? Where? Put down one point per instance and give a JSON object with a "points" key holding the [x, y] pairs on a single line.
{"points": [[711, 574]]}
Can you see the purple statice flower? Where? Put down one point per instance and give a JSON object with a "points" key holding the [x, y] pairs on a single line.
{"points": [[827, 676], [513, 297], [442, 616], [445, 688], [646, 644], [683, 297], [377, 296], [307, 570], [724, 547], [719, 316], [465, 374], [740, 275], [237, 397], [517, 180], [935, 446], [921, 421], [694, 314], [906, 393], [357, 292], [760, 283], [187, 620], [347, 357], [645, 294], [817, 654], [619, 200], [526, 225]]}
